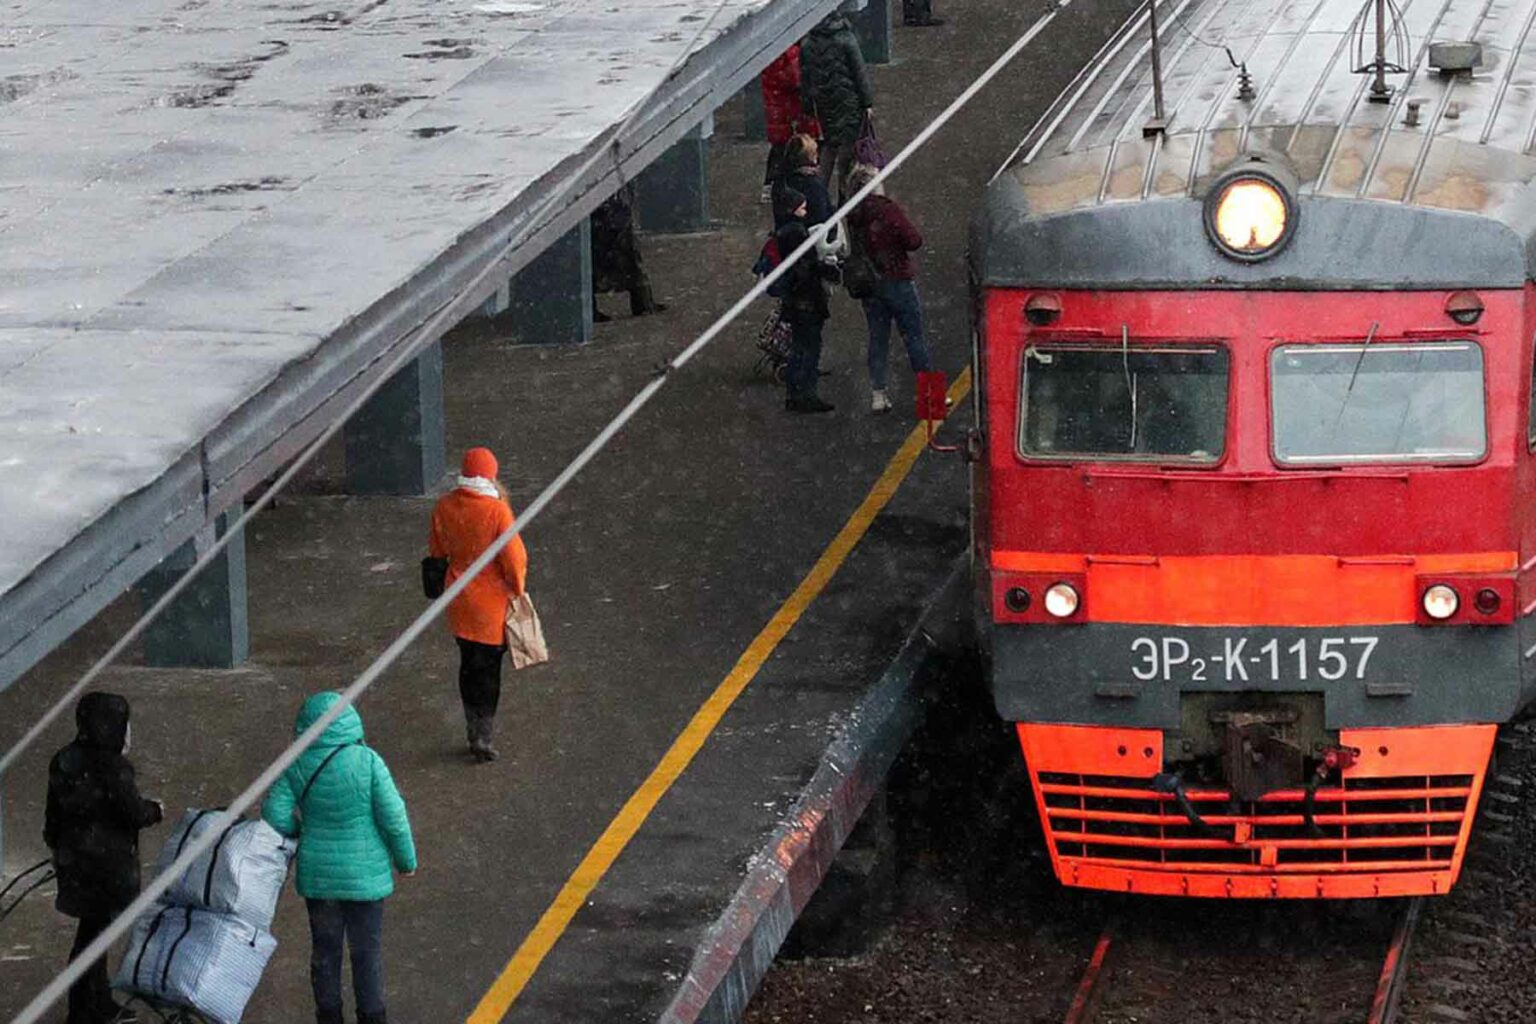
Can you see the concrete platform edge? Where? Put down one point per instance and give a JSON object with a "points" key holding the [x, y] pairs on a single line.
{"points": [[740, 946]]}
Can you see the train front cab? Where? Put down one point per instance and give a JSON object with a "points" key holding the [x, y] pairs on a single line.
{"points": [[1249, 577], [1212, 595]]}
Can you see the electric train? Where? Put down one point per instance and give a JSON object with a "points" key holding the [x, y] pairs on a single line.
{"points": [[1255, 494]]}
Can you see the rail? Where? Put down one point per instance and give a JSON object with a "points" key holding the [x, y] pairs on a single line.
{"points": [[1385, 1001]]}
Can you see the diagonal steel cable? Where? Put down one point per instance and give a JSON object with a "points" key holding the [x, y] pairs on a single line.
{"points": [[55, 989], [413, 342]]}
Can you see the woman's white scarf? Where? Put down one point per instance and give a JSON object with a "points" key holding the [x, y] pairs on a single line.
{"points": [[480, 485]]}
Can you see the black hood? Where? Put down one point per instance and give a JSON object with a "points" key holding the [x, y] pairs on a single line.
{"points": [[786, 201], [102, 719], [832, 24]]}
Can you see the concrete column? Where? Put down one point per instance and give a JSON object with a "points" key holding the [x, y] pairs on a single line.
{"points": [[872, 24], [754, 127], [206, 626], [672, 194], [394, 445], [549, 302]]}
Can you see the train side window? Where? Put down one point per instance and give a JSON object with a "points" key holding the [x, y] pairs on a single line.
{"points": [[1148, 403], [1352, 404]]}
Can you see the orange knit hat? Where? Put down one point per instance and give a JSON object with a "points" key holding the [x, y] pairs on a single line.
{"points": [[480, 462]]}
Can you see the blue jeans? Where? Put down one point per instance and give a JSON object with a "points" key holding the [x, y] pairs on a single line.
{"points": [[804, 368], [898, 301], [360, 926]]}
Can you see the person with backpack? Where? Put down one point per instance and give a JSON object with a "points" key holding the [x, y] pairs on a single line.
{"points": [[885, 236], [339, 800], [784, 112], [804, 302], [836, 90], [91, 825]]}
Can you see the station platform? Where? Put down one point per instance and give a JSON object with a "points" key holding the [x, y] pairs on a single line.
{"points": [[719, 545]]}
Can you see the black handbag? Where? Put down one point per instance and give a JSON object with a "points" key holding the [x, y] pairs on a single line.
{"points": [[861, 278], [434, 577]]}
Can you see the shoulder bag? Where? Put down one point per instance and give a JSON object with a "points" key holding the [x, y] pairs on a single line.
{"points": [[434, 577]]}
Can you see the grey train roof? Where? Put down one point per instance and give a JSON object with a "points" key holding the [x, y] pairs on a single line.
{"points": [[1449, 200]]}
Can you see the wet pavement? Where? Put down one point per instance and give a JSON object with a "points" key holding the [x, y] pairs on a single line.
{"points": [[653, 574]]}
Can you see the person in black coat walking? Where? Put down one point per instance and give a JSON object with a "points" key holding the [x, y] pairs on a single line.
{"points": [[616, 263], [92, 823], [805, 306], [835, 88]]}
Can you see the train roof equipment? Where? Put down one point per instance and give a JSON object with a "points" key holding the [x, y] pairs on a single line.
{"points": [[1426, 185]]}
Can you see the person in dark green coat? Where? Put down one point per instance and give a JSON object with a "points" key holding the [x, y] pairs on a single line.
{"points": [[835, 87], [338, 798]]}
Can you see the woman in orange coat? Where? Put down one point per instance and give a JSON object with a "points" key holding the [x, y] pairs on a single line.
{"points": [[464, 523]]}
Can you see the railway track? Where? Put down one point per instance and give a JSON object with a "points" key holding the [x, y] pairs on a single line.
{"points": [[1107, 967]]}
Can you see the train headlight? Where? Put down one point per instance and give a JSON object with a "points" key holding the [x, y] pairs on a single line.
{"points": [[1249, 213], [1441, 602], [1061, 600]]}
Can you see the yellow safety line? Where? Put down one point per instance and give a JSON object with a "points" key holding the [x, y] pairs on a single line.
{"points": [[520, 969]]}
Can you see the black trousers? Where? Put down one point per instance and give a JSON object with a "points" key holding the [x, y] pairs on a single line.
{"points": [[90, 998], [479, 677]]}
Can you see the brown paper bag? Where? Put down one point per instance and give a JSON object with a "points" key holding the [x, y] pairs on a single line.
{"points": [[525, 634]]}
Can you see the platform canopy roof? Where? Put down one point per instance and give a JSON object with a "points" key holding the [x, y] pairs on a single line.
{"points": [[220, 218]]}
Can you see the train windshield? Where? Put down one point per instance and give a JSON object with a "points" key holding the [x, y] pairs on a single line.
{"points": [[1378, 402], [1129, 402]]}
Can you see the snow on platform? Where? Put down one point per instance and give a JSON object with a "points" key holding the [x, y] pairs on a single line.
{"points": [[217, 217]]}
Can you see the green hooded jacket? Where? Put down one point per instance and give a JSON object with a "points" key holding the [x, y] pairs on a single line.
{"points": [[352, 828]]}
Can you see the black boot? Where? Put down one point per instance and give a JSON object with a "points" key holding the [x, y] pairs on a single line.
{"points": [[371, 1018], [808, 403], [598, 316], [641, 300], [329, 1016], [480, 744]]}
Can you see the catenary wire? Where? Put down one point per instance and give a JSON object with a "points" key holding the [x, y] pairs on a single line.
{"points": [[55, 989], [440, 321]]}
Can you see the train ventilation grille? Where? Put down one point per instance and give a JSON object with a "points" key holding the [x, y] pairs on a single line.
{"points": [[1377, 824]]}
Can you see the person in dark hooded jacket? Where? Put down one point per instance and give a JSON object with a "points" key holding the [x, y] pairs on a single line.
{"points": [[92, 823], [804, 305], [616, 262], [836, 90]]}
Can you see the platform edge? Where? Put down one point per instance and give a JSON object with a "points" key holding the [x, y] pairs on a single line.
{"points": [[739, 947]]}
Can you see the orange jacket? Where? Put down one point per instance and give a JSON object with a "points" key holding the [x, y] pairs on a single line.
{"points": [[463, 525]]}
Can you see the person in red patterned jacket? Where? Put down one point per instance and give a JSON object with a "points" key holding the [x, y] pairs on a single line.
{"points": [[888, 237], [784, 113]]}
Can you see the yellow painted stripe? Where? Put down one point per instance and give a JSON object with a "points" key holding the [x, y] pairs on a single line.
{"points": [[520, 969]]}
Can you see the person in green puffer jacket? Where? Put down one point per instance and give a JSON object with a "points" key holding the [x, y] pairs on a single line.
{"points": [[341, 802]]}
